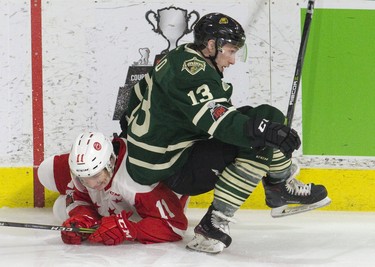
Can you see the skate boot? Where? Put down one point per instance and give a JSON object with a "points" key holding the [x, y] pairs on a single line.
{"points": [[212, 233], [292, 196]]}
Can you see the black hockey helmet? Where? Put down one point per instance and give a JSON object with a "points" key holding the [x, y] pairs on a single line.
{"points": [[219, 27]]}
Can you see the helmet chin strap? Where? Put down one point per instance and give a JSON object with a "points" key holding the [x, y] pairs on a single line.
{"points": [[213, 59]]}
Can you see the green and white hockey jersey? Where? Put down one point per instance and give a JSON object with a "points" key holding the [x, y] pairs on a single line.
{"points": [[182, 100]]}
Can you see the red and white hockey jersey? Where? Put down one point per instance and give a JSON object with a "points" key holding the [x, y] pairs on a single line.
{"points": [[158, 213]]}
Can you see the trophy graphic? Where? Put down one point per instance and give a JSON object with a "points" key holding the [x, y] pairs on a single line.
{"points": [[172, 23], [136, 72]]}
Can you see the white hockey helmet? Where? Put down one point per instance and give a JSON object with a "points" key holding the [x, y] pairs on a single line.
{"points": [[91, 153]]}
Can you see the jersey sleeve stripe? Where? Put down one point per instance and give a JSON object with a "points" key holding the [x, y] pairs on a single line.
{"points": [[162, 166], [158, 149]]}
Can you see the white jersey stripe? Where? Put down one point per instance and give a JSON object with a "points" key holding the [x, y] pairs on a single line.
{"points": [[204, 109], [158, 149], [162, 166], [216, 123]]}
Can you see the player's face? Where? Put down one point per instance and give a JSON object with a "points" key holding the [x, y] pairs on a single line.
{"points": [[226, 56], [98, 181]]}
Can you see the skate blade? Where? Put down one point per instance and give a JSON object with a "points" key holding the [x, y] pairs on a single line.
{"points": [[290, 210], [208, 245]]}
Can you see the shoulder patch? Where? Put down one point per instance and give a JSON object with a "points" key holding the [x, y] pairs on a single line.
{"points": [[217, 110], [194, 65]]}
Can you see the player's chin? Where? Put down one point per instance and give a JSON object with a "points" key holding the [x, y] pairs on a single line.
{"points": [[100, 187]]}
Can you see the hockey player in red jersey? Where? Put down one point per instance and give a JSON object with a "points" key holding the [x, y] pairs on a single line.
{"points": [[93, 182]]}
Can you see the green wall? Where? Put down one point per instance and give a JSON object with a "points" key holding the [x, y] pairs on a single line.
{"points": [[338, 84]]}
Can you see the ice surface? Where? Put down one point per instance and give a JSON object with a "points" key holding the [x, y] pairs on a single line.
{"points": [[316, 238]]}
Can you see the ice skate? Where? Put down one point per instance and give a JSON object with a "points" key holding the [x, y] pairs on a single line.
{"points": [[212, 233], [292, 196]]}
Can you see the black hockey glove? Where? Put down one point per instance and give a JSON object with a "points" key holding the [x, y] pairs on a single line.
{"points": [[273, 134]]}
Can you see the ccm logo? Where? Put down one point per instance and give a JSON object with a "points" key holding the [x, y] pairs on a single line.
{"points": [[123, 226], [262, 125]]}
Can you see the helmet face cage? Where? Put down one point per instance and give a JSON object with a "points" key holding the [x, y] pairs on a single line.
{"points": [[91, 153], [223, 29]]}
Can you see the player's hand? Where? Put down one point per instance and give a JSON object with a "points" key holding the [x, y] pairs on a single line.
{"points": [[78, 221], [114, 230], [282, 137], [273, 134]]}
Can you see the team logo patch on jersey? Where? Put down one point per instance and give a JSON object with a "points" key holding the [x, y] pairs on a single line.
{"points": [[194, 65], [217, 110]]}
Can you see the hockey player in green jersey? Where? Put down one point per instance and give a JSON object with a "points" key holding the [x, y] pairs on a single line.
{"points": [[183, 130]]}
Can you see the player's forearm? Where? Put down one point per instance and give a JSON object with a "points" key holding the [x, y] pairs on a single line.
{"points": [[75, 209]]}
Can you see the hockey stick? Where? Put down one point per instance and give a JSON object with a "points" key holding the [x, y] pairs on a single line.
{"points": [[48, 227], [300, 59]]}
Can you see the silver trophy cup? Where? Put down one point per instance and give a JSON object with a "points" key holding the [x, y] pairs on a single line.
{"points": [[172, 23]]}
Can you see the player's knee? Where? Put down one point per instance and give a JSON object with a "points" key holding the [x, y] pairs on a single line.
{"points": [[264, 111], [45, 174], [271, 113]]}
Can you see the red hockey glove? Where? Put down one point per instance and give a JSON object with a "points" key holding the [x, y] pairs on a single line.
{"points": [[79, 221], [114, 230]]}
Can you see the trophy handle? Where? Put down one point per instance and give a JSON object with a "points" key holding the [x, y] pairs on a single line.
{"points": [[148, 13], [197, 17]]}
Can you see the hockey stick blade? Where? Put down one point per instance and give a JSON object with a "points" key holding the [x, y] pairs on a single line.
{"points": [[47, 227], [300, 61]]}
